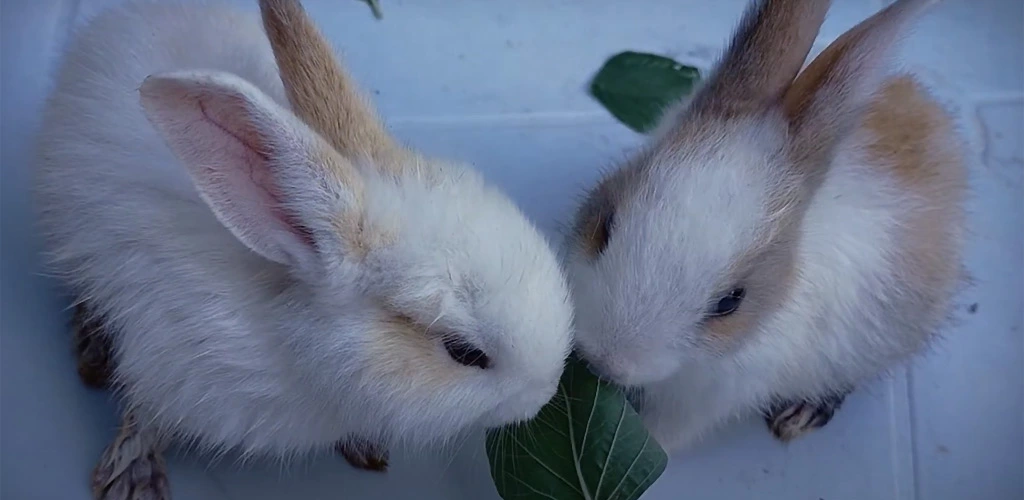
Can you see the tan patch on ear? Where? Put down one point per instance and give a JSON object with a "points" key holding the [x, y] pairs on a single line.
{"points": [[801, 93], [321, 92], [404, 351], [813, 145], [767, 51], [914, 142]]}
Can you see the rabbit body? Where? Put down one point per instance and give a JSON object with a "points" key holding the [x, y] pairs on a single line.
{"points": [[832, 206], [856, 307], [222, 347]]}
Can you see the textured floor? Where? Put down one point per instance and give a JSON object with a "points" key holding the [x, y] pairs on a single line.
{"points": [[501, 84]]}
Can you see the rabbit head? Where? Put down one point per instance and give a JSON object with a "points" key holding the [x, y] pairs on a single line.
{"points": [[676, 255], [424, 298]]}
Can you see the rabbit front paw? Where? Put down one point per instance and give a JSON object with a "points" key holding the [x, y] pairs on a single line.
{"points": [[788, 420], [92, 348], [132, 467]]}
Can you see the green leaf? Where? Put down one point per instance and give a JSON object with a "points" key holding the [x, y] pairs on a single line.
{"points": [[637, 87], [374, 8], [587, 443]]}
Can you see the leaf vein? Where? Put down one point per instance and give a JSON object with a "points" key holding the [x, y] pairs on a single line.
{"points": [[629, 469], [611, 448], [533, 489], [544, 465], [586, 430], [642, 483], [575, 452], [553, 428]]}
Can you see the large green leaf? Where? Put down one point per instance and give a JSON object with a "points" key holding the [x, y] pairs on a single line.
{"points": [[637, 87], [586, 444]]}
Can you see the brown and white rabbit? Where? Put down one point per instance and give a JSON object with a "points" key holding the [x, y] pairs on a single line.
{"points": [[272, 271], [785, 235]]}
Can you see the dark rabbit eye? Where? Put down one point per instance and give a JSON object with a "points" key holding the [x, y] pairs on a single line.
{"points": [[465, 354], [729, 303], [604, 231]]}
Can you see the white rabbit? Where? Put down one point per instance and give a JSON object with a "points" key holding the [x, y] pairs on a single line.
{"points": [[781, 239], [272, 272]]}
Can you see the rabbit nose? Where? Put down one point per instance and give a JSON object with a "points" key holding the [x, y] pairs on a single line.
{"points": [[614, 371]]}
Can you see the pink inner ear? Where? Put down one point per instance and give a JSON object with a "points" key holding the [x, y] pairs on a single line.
{"points": [[245, 155], [252, 178]]}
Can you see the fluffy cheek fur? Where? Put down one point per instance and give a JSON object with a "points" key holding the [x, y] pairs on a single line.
{"points": [[635, 331], [414, 371], [387, 378], [642, 357]]}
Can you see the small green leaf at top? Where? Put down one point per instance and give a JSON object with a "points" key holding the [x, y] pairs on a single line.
{"points": [[637, 87], [374, 8], [587, 443]]}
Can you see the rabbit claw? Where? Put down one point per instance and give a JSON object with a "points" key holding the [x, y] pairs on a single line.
{"points": [[363, 454], [788, 420]]}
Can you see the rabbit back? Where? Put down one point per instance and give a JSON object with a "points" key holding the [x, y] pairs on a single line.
{"points": [[186, 304]]}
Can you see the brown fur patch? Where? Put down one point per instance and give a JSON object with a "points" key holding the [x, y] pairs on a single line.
{"points": [[905, 124], [591, 229], [913, 141], [321, 92]]}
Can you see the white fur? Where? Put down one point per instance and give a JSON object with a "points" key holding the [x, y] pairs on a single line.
{"points": [[852, 312], [223, 347]]}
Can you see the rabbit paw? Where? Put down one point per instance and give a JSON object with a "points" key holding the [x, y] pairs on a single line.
{"points": [[132, 467], [92, 348], [789, 420], [363, 454]]}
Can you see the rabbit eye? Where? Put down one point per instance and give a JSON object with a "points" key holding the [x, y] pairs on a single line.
{"points": [[604, 231], [465, 354], [729, 303]]}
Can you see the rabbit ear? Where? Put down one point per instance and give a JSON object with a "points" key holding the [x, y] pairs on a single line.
{"points": [[267, 177], [321, 93], [766, 52], [823, 103]]}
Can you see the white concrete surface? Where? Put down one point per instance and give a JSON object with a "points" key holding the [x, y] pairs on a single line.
{"points": [[502, 84]]}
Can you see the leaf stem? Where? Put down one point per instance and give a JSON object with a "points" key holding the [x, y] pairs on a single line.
{"points": [[575, 452]]}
